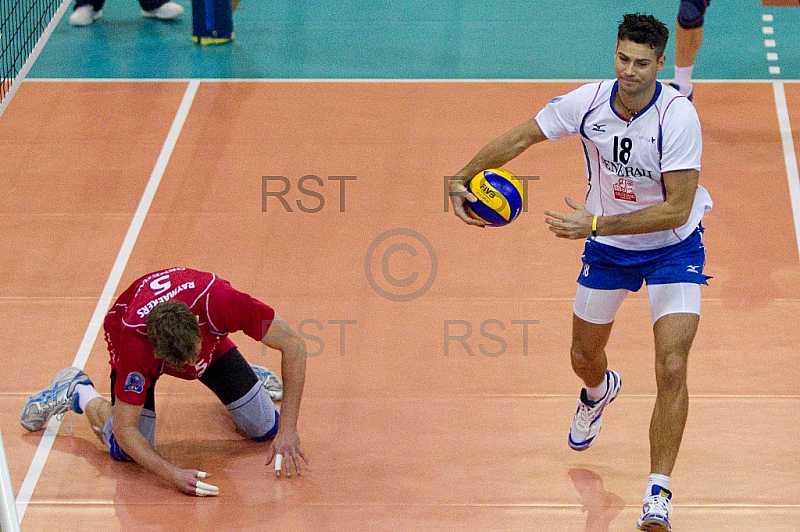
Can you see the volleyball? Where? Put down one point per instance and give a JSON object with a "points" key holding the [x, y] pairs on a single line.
{"points": [[500, 197]]}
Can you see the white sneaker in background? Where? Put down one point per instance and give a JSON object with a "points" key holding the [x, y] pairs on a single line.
{"points": [[168, 11], [84, 16]]}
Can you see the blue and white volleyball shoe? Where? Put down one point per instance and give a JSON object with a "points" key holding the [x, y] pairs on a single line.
{"points": [[269, 381], [55, 400], [656, 511], [589, 416]]}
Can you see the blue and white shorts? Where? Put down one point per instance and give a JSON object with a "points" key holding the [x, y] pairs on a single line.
{"points": [[608, 268], [673, 275]]}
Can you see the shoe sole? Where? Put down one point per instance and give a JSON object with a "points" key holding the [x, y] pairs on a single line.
{"points": [[145, 14], [654, 526], [582, 446]]}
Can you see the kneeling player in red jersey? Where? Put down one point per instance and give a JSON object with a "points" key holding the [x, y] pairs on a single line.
{"points": [[176, 322]]}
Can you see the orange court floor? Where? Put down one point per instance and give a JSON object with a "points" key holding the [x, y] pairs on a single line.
{"points": [[449, 411]]}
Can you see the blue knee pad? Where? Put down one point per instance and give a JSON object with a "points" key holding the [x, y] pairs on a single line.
{"points": [[110, 440], [691, 13], [147, 427], [116, 451], [272, 432], [255, 413]]}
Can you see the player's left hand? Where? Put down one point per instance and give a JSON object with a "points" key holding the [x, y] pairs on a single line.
{"points": [[575, 225], [286, 444]]}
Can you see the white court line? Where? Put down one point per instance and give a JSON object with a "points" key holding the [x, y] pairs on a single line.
{"points": [[789, 156], [9, 520], [774, 70], [39, 459]]}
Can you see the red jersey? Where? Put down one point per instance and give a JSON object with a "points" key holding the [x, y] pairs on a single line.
{"points": [[220, 310]]}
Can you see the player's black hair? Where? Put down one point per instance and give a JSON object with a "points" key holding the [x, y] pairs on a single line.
{"points": [[644, 29]]}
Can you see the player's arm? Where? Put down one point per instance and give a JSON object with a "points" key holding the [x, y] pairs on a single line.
{"points": [[126, 432], [284, 338], [680, 189], [494, 155]]}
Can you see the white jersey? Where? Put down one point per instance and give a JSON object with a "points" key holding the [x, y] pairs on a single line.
{"points": [[625, 160]]}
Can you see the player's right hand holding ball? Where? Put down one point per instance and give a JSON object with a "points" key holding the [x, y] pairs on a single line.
{"points": [[458, 195]]}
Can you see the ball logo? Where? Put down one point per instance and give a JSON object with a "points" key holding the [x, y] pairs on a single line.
{"points": [[489, 191]]}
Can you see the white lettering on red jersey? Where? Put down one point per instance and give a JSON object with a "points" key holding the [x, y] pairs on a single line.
{"points": [[220, 310]]}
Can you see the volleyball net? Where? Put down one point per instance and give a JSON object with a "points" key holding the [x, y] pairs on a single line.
{"points": [[25, 26]]}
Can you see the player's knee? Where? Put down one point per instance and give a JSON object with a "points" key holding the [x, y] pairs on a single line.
{"points": [[271, 432], [691, 13], [582, 357], [671, 372]]}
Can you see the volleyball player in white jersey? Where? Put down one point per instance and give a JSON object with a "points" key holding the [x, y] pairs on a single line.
{"points": [[642, 144]]}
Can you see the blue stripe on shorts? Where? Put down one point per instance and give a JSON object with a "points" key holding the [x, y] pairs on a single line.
{"points": [[609, 268]]}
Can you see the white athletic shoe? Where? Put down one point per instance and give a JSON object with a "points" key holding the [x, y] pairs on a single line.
{"points": [[656, 511], [84, 16], [269, 381], [168, 11], [589, 416], [55, 400]]}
